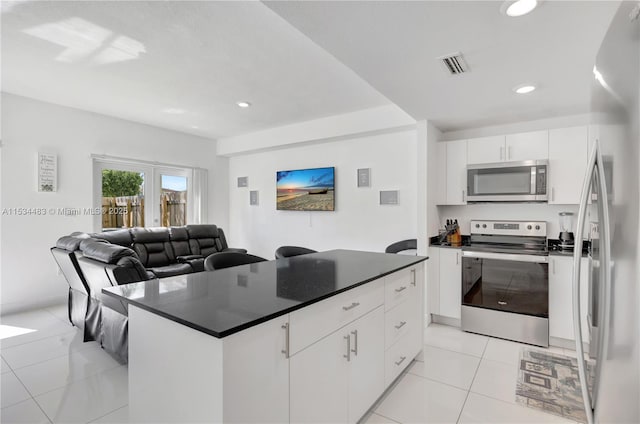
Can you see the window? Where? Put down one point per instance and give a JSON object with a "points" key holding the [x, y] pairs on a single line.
{"points": [[139, 194]]}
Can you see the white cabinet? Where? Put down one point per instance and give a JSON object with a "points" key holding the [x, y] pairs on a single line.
{"points": [[568, 149], [456, 172], [486, 150], [366, 366], [561, 295], [450, 283], [338, 378], [433, 280], [509, 148], [441, 174], [527, 146]]}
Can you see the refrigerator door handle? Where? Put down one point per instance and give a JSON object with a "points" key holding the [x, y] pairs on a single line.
{"points": [[577, 256]]}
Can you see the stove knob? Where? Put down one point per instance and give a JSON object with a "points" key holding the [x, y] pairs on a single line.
{"points": [[529, 227], [484, 225], [477, 225], [537, 227]]}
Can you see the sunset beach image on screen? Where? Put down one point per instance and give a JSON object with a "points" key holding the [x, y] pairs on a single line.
{"points": [[306, 190]]}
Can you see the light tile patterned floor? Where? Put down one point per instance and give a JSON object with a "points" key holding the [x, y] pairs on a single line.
{"points": [[50, 376]]}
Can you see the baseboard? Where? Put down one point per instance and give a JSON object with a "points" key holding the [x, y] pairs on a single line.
{"points": [[567, 344], [439, 319]]}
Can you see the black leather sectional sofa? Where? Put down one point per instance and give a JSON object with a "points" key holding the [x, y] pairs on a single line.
{"points": [[92, 261]]}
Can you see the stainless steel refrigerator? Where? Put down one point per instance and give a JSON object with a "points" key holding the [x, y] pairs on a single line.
{"points": [[610, 379]]}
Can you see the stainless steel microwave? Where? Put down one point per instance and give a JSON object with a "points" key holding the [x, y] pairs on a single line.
{"points": [[508, 182]]}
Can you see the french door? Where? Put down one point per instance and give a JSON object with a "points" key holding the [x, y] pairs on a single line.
{"points": [[133, 194]]}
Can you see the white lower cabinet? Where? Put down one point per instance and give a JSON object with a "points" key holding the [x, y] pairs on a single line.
{"points": [[450, 286], [561, 297], [338, 378]]}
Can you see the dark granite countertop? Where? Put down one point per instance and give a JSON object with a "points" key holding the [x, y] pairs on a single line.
{"points": [[229, 300], [433, 241]]}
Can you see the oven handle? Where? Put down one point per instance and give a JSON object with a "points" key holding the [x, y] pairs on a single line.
{"points": [[506, 257]]}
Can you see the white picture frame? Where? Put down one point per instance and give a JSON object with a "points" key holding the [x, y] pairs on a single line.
{"points": [[47, 166]]}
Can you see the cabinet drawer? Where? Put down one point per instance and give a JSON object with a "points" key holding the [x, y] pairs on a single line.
{"points": [[399, 286], [400, 355], [312, 323], [399, 321]]}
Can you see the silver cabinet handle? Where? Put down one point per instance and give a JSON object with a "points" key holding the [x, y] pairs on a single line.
{"points": [[401, 289], [285, 327], [355, 342], [402, 324], [348, 355], [457, 258], [353, 305], [463, 195], [413, 277], [553, 194], [402, 358], [509, 152]]}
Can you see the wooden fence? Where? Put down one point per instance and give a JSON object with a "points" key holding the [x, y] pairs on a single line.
{"points": [[173, 208], [128, 211]]}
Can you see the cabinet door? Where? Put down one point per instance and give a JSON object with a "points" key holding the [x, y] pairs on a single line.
{"points": [[366, 368], [486, 150], [527, 146], [251, 356], [433, 281], [567, 164], [561, 297], [450, 283], [318, 381], [441, 175], [457, 172]]}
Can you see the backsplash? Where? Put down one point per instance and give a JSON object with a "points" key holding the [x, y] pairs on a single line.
{"points": [[509, 211]]}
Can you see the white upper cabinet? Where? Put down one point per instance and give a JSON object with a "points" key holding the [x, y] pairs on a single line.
{"points": [[456, 172], [527, 146], [441, 184], [568, 149], [486, 150]]}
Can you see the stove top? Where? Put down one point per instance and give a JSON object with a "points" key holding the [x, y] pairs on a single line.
{"points": [[513, 237]]}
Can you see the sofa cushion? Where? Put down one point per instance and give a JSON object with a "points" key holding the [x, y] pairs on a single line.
{"points": [[120, 237], [105, 252], [179, 242], [152, 246], [204, 239], [171, 270]]}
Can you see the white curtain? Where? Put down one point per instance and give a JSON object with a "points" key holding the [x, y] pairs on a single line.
{"points": [[200, 191]]}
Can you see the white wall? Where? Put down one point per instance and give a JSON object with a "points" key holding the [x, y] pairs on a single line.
{"points": [[28, 272], [359, 221]]}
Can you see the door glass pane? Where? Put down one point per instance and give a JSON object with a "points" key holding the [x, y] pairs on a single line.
{"points": [[173, 200], [122, 199]]}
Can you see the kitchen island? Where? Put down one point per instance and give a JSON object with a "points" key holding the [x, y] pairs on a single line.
{"points": [[316, 337]]}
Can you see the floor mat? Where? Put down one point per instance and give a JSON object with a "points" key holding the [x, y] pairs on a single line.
{"points": [[550, 382]]}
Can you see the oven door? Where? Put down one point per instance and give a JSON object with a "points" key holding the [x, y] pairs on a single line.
{"points": [[507, 182], [506, 282]]}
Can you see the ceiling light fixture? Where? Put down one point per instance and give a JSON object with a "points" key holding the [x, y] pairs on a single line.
{"points": [[243, 104], [519, 7], [524, 88]]}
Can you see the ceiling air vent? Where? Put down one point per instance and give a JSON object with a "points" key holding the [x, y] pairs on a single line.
{"points": [[454, 63]]}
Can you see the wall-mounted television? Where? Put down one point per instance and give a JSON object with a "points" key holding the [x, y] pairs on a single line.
{"points": [[306, 190]]}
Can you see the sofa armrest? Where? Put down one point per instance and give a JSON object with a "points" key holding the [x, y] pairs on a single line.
{"points": [[188, 258], [235, 249]]}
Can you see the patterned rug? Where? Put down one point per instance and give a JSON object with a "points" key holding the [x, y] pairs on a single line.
{"points": [[550, 382]]}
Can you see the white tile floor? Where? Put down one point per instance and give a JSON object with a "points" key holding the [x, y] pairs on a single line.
{"points": [[50, 376]]}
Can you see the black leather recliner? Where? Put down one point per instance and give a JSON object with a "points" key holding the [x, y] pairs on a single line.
{"points": [[153, 247]]}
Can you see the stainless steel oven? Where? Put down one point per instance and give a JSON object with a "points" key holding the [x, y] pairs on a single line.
{"points": [[505, 281], [508, 182]]}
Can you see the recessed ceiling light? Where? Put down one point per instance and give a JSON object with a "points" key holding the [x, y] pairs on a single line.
{"points": [[519, 7], [524, 89], [243, 104], [173, 111]]}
